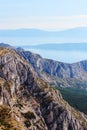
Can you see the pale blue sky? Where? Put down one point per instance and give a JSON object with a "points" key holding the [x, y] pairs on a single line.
{"points": [[43, 14]]}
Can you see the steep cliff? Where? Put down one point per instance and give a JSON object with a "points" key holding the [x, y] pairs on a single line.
{"points": [[29, 103]]}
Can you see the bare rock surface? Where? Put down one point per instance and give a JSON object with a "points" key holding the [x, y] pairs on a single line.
{"points": [[58, 73], [28, 102]]}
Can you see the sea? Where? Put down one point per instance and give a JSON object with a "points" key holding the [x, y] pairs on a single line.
{"points": [[57, 55]]}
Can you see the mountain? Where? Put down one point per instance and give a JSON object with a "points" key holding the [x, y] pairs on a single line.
{"points": [[58, 73], [23, 33], [60, 47], [70, 33], [5, 45], [28, 102]]}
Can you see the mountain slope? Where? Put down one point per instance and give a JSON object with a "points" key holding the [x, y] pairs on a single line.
{"points": [[27, 102], [77, 98], [58, 73]]}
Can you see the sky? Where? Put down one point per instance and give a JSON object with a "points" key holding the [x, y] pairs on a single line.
{"points": [[49, 15], [43, 14]]}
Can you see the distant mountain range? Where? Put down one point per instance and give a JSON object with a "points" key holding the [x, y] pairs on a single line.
{"points": [[75, 32], [36, 36]]}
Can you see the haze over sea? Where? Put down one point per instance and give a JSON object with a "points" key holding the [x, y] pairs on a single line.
{"points": [[67, 56], [50, 44], [17, 16]]}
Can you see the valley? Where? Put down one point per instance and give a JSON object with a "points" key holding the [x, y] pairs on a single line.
{"points": [[77, 98]]}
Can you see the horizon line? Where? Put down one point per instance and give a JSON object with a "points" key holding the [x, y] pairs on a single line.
{"points": [[42, 29]]}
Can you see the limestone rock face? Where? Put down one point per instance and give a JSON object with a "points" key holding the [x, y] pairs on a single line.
{"points": [[58, 73], [28, 102]]}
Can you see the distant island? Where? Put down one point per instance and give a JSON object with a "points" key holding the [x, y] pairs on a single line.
{"points": [[60, 46]]}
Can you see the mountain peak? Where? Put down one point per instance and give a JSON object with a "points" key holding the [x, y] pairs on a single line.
{"points": [[4, 45]]}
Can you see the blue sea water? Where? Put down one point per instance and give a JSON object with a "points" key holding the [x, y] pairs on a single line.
{"points": [[64, 56]]}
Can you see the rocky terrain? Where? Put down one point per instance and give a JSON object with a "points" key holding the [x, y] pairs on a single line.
{"points": [[28, 102], [58, 73]]}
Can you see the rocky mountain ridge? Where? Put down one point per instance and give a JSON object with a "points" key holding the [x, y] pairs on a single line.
{"points": [[28, 102], [58, 73]]}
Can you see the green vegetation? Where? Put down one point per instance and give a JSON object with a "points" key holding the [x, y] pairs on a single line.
{"points": [[3, 51], [75, 97], [27, 123], [29, 115], [6, 121], [4, 115]]}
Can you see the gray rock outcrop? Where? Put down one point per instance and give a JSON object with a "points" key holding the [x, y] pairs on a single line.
{"points": [[28, 102]]}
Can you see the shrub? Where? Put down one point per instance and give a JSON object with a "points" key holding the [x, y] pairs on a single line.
{"points": [[29, 115]]}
